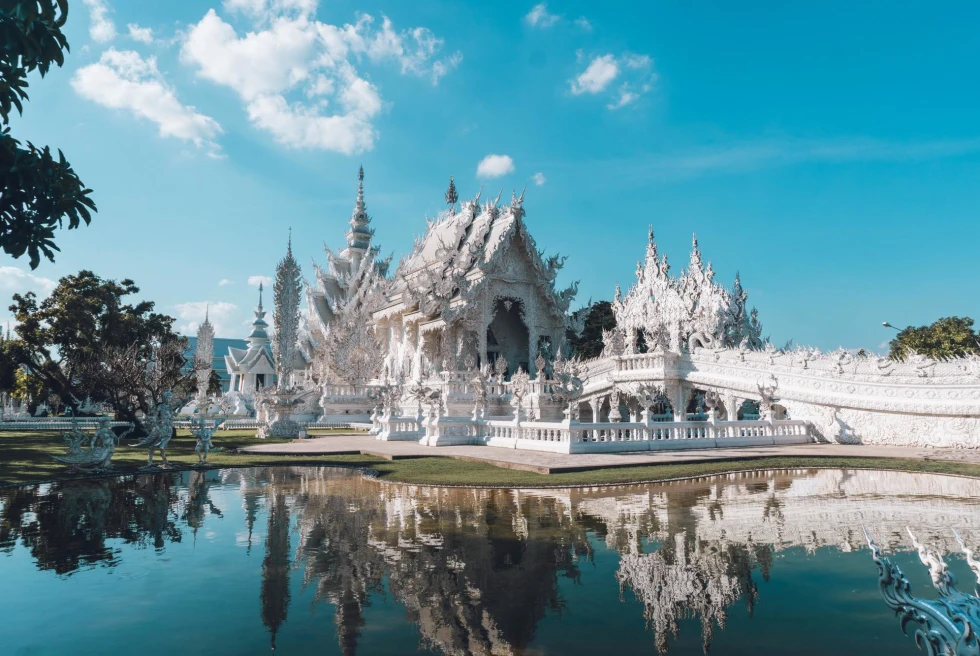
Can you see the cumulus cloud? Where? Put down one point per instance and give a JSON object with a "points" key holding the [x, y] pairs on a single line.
{"points": [[224, 282], [597, 76], [255, 281], [633, 71], [296, 76], [221, 314], [539, 16], [14, 280], [538, 179], [583, 24], [494, 166], [141, 34], [126, 81], [101, 29]]}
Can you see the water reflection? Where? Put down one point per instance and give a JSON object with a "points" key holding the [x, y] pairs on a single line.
{"points": [[481, 571]]}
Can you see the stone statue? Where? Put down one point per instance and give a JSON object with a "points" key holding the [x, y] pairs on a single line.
{"points": [[97, 456], [203, 429], [160, 425]]}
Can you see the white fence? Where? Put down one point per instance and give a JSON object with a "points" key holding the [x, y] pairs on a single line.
{"points": [[88, 423], [575, 437]]}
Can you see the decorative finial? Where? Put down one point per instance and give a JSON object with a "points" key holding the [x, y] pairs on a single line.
{"points": [[360, 173], [650, 234], [451, 196], [260, 295], [207, 312]]}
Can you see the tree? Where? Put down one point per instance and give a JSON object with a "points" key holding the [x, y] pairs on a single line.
{"points": [[588, 343], [8, 366], [949, 337], [84, 340], [28, 388], [38, 191], [214, 383]]}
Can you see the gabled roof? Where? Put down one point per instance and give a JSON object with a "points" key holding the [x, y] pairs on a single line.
{"points": [[457, 251]]}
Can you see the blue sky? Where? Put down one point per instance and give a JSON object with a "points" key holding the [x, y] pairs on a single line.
{"points": [[830, 154]]}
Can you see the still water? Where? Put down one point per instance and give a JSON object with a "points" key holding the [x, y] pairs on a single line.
{"points": [[322, 560]]}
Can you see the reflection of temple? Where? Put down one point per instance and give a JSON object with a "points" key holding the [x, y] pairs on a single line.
{"points": [[477, 571]]}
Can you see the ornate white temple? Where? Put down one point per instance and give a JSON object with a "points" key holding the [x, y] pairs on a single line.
{"points": [[253, 368], [466, 344]]}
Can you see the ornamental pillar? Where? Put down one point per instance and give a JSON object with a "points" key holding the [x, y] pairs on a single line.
{"points": [[679, 402], [594, 405]]}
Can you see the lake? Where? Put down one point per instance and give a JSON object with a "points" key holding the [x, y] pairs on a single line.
{"points": [[324, 560]]}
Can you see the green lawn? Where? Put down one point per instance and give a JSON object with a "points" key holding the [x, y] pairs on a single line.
{"points": [[24, 458]]}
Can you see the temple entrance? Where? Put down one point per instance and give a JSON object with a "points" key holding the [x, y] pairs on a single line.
{"points": [[508, 337]]}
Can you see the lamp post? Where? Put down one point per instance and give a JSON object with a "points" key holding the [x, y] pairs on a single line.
{"points": [[888, 325]]}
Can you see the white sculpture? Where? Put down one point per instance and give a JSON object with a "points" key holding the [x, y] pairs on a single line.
{"points": [[204, 429], [160, 426], [98, 454]]}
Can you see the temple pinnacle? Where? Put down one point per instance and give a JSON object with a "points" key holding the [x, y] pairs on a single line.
{"points": [[260, 295]]}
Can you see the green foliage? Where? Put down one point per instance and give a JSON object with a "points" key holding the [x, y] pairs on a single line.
{"points": [[84, 340], [8, 366], [214, 383], [589, 344], [949, 337], [27, 385], [38, 190]]}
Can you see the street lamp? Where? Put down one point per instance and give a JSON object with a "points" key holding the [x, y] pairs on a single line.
{"points": [[888, 325]]}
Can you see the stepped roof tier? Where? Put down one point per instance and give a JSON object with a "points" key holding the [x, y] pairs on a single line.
{"points": [[245, 364], [462, 251]]}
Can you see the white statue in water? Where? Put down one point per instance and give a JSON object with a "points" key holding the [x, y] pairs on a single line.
{"points": [[160, 426]]}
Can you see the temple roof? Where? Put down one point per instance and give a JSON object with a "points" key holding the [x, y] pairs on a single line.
{"points": [[459, 247]]}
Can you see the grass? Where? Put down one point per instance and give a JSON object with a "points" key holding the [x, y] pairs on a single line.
{"points": [[24, 458]]}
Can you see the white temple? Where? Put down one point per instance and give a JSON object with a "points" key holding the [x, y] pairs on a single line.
{"points": [[466, 344], [253, 368]]}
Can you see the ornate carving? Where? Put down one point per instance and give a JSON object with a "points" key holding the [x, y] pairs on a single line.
{"points": [[947, 625]]}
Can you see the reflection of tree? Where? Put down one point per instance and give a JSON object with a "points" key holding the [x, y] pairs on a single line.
{"points": [[275, 566], [69, 525]]}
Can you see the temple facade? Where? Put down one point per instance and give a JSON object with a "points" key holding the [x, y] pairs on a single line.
{"points": [[465, 343]]}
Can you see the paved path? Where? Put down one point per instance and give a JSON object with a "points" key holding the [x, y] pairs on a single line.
{"points": [[553, 463]]}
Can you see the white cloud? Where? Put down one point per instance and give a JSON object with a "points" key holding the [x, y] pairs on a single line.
{"points": [[291, 68], [101, 29], [141, 34], [124, 80], [494, 166], [14, 280], [224, 282], [539, 16], [625, 98], [583, 24], [597, 76], [635, 73], [538, 179], [221, 314], [255, 281]]}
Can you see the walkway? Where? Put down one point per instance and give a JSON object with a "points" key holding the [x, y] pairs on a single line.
{"points": [[554, 463]]}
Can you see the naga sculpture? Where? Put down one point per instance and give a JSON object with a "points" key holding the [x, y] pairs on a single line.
{"points": [[97, 455], [203, 429], [947, 626], [160, 427]]}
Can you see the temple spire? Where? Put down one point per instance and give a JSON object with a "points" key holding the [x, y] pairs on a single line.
{"points": [[259, 309], [359, 235], [451, 196]]}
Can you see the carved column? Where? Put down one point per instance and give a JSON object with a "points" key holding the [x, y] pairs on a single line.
{"points": [[680, 403], [731, 407], [594, 406]]}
